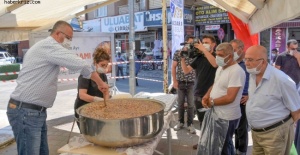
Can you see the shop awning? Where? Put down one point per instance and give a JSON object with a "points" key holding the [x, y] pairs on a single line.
{"points": [[260, 14], [17, 20]]}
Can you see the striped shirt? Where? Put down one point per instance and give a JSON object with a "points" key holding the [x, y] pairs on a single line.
{"points": [[37, 80]]}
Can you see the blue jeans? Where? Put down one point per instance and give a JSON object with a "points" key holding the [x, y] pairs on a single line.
{"points": [[228, 148], [185, 91], [30, 130]]}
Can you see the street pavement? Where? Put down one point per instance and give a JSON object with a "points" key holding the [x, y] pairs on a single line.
{"points": [[60, 117]]}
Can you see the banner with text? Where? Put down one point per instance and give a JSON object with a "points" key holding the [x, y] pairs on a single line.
{"points": [[176, 8], [83, 44], [209, 15], [278, 39], [120, 24], [154, 17]]}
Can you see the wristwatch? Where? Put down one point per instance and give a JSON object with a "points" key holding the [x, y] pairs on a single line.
{"points": [[212, 103]]}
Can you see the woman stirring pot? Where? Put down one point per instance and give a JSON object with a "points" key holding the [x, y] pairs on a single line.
{"points": [[87, 89]]}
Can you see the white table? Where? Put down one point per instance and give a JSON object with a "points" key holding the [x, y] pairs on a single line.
{"points": [[145, 148]]}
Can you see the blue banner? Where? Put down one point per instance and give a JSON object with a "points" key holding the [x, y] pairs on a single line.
{"points": [[154, 17], [176, 8]]}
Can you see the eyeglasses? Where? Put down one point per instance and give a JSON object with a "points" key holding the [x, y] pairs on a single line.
{"points": [[68, 37], [252, 60]]}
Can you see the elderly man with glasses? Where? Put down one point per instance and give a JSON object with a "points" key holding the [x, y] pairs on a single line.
{"points": [[273, 105]]}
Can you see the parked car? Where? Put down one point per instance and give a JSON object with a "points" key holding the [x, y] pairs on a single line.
{"points": [[2, 61], [8, 58]]}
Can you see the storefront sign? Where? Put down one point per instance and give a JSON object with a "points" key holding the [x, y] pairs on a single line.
{"points": [[118, 24], [176, 8], [154, 17], [212, 27], [205, 15], [278, 39]]}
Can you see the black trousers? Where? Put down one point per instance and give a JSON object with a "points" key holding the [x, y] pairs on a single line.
{"points": [[198, 105], [241, 133], [76, 106], [136, 81]]}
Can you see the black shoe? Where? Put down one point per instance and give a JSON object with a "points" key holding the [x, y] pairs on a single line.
{"points": [[195, 146]]}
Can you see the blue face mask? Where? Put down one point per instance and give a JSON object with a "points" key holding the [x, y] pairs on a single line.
{"points": [[221, 61]]}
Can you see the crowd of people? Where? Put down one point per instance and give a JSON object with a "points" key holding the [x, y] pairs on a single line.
{"points": [[229, 89], [236, 89]]}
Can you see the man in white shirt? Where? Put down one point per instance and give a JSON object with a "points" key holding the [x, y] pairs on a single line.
{"points": [[37, 88], [226, 92], [273, 105]]}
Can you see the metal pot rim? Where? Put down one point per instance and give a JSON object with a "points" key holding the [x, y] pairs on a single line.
{"points": [[153, 100]]}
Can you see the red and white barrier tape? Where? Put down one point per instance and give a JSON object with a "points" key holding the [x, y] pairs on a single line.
{"points": [[149, 79], [149, 61], [118, 77], [135, 77], [66, 80], [143, 61], [5, 81], [9, 73], [75, 79]]}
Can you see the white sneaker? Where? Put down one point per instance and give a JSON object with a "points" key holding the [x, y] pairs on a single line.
{"points": [[178, 126], [191, 128]]}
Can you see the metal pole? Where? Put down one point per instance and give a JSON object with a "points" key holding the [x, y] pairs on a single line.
{"points": [[165, 48], [131, 47]]}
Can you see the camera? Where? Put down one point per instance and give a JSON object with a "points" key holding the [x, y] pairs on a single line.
{"points": [[191, 51]]}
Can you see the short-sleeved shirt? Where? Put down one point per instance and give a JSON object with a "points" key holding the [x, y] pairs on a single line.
{"points": [[180, 76], [120, 59], [91, 86], [289, 65], [272, 100], [205, 75], [232, 76]]}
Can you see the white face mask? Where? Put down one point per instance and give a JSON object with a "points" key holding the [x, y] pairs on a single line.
{"points": [[235, 56], [273, 55], [254, 70], [67, 43], [207, 47], [221, 61], [101, 70], [291, 52]]}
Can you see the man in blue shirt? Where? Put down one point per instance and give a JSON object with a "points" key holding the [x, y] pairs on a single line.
{"points": [[241, 133], [273, 104]]}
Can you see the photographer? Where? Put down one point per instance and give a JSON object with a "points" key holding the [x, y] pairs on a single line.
{"points": [[184, 85], [205, 67]]}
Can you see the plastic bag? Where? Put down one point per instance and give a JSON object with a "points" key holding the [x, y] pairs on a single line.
{"points": [[213, 134]]}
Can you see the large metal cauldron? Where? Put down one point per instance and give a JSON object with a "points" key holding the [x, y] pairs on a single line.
{"points": [[122, 132]]}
